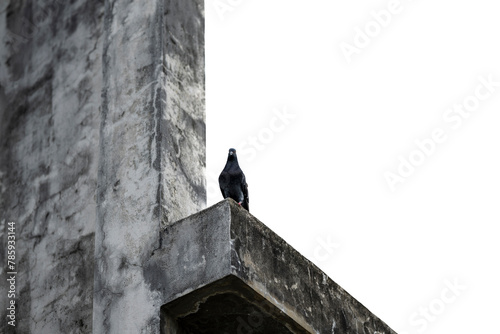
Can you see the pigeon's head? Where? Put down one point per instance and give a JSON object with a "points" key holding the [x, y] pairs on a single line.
{"points": [[232, 154]]}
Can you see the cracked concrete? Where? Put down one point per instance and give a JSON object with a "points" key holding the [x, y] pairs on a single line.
{"points": [[100, 111], [227, 272], [50, 93], [152, 156]]}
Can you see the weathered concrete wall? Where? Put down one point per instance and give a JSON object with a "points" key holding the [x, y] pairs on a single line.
{"points": [[183, 119], [134, 156], [152, 150], [50, 93]]}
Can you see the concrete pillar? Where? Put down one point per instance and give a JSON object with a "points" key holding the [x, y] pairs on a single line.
{"points": [[50, 95], [152, 150]]}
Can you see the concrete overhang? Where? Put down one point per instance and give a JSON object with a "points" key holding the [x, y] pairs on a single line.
{"points": [[223, 271]]}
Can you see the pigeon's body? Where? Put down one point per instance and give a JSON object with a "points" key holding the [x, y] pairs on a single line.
{"points": [[232, 181]]}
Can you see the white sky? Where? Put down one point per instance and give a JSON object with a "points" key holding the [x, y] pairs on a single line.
{"points": [[316, 177]]}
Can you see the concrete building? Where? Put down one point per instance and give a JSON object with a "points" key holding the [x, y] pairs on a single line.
{"points": [[102, 158]]}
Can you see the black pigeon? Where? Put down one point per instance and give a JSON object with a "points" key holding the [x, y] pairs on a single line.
{"points": [[232, 181]]}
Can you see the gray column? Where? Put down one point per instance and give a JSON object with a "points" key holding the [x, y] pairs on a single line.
{"points": [[152, 150], [50, 94]]}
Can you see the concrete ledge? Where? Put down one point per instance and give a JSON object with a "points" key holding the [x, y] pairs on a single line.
{"points": [[223, 271]]}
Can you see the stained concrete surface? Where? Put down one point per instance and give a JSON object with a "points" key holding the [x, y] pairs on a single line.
{"points": [[102, 141], [225, 269], [50, 93]]}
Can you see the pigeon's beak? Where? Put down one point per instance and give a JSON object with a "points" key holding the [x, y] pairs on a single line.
{"points": [[230, 153]]}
